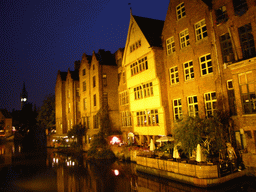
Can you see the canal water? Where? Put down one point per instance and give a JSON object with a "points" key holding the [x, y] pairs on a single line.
{"points": [[45, 171]]}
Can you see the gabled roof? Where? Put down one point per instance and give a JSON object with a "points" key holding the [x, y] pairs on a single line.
{"points": [[5, 113], [75, 75], [152, 29], [63, 75], [105, 57]]}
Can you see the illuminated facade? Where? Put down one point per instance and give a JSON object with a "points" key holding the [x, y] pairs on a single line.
{"points": [[67, 111], [210, 59], [5, 123], [145, 79], [98, 76]]}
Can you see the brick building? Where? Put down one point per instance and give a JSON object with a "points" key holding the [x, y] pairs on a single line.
{"points": [[199, 60], [81, 94], [67, 100], [209, 55]]}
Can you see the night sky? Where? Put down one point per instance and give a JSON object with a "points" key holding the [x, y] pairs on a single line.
{"points": [[38, 38]]}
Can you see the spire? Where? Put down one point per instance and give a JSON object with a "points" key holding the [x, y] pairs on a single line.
{"points": [[23, 96], [130, 8]]}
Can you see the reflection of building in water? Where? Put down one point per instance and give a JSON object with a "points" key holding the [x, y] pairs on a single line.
{"points": [[93, 178]]}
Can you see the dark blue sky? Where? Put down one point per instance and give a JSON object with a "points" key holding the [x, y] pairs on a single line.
{"points": [[38, 38]]}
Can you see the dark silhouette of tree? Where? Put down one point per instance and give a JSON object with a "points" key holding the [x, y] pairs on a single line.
{"points": [[78, 131], [46, 115]]}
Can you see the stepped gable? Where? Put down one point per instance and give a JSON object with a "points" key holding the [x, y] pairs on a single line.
{"points": [[152, 29]]}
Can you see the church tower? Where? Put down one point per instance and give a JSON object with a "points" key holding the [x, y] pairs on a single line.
{"points": [[23, 96]]}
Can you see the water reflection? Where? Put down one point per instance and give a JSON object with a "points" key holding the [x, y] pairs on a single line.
{"points": [[25, 171]]}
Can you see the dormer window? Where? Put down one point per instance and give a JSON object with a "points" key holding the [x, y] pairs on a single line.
{"points": [[221, 15]]}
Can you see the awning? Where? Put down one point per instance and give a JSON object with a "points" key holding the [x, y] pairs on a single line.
{"points": [[165, 139]]}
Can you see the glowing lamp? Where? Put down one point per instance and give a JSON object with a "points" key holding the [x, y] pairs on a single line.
{"points": [[115, 140]]}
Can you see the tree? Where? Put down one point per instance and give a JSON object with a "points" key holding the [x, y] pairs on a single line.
{"points": [[211, 133], [77, 132], [46, 115], [100, 148]]}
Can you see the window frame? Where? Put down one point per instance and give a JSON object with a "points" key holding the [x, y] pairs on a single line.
{"points": [[170, 45], [248, 51], [192, 105], [221, 14], [104, 80], [175, 74], [177, 114], [94, 81], [249, 102], [178, 8], [94, 100], [199, 32], [184, 41], [206, 64], [84, 86], [190, 73], [226, 48], [212, 103]]}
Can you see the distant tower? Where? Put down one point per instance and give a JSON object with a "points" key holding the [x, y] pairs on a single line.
{"points": [[23, 96]]}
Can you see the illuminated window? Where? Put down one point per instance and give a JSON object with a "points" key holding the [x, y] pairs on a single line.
{"points": [[201, 31], [184, 38], [152, 116], [135, 46], [226, 48], [170, 45], [206, 64], [210, 103], [138, 93], [94, 100], [139, 66], [104, 80], [147, 118], [141, 118], [247, 41], [247, 85], [192, 106], [221, 15], [94, 81], [148, 89], [188, 70], [84, 85], [143, 91], [84, 73], [231, 97], [124, 98], [174, 75], [126, 118], [180, 11], [177, 109]]}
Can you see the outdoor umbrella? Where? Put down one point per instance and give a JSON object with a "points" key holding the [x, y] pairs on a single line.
{"points": [[165, 139], [198, 153], [176, 154], [152, 145]]}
